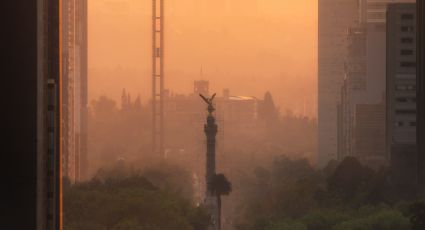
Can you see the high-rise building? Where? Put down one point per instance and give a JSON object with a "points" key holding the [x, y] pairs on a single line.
{"points": [[373, 18], [375, 11], [74, 88], [420, 87], [334, 19], [352, 90], [364, 85], [33, 184], [369, 134], [401, 91]]}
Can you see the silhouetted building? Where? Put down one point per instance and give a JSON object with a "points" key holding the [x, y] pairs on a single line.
{"points": [[375, 11], [334, 19], [420, 87], [401, 91], [237, 115], [32, 118], [369, 134], [352, 90], [74, 88], [364, 84]]}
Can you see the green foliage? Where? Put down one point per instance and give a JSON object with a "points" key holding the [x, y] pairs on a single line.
{"points": [[348, 177], [171, 178], [287, 224], [386, 219], [128, 203], [286, 189], [291, 194], [417, 215], [324, 219]]}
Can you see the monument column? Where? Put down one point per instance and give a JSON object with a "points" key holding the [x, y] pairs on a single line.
{"points": [[211, 198]]}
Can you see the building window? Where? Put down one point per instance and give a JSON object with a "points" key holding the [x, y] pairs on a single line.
{"points": [[405, 88], [402, 99], [401, 88], [405, 111], [407, 16], [408, 64], [399, 123], [406, 28], [371, 6], [406, 52], [411, 87], [406, 99], [407, 40]]}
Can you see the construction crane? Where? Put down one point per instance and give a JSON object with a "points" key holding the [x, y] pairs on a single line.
{"points": [[158, 77]]}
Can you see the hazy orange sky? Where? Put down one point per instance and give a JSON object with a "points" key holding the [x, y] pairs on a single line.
{"points": [[248, 46]]}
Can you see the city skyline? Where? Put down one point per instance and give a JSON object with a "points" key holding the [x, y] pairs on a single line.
{"points": [[217, 44]]}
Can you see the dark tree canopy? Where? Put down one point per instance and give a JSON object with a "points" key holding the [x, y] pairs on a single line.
{"points": [[220, 185], [129, 203], [348, 176]]}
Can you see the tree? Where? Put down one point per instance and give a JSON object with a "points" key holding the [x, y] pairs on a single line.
{"points": [[348, 177], [103, 107], [124, 101], [220, 185], [268, 110], [124, 203], [138, 104], [417, 215]]}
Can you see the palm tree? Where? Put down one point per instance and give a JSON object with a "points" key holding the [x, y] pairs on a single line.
{"points": [[220, 186]]}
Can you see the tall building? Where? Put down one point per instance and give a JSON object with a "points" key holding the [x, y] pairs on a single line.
{"points": [[369, 134], [74, 88], [364, 86], [401, 91], [373, 18], [375, 11], [335, 16], [33, 181], [352, 90], [420, 87]]}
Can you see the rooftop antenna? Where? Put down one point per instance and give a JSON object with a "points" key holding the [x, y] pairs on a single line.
{"points": [[202, 73], [158, 77]]}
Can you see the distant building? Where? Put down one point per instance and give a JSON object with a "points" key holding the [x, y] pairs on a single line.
{"points": [[364, 84], [334, 19], [74, 89], [375, 11], [420, 87], [238, 116], [401, 91], [373, 19], [369, 134], [352, 90]]}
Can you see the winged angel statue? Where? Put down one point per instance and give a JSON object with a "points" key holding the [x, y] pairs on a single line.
{"points": [[209, 101]]}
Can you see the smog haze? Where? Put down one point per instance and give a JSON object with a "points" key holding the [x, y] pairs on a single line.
{"points": [[249, 47]]}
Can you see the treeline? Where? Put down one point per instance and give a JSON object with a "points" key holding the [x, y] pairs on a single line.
{"points": [[120, 198], [122, 130], [291, 194], [287, 132], [117, 131]]}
